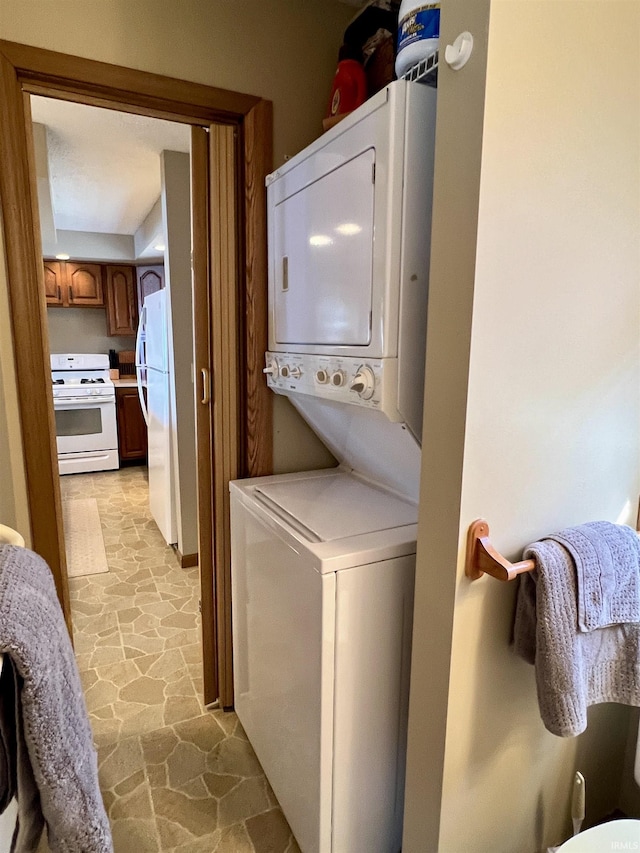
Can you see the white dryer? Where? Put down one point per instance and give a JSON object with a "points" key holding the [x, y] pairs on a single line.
{"points": [[322, 586], [323, 562]]}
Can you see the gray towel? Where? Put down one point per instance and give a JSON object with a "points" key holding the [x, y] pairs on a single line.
{"points": [[49, 752], [607, 559], [574, 669]]}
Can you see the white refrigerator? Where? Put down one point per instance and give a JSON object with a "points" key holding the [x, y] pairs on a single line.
{"points": [[152, 371]]}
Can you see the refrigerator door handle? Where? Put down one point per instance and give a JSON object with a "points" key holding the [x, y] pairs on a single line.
{"points": [[141, 366]]}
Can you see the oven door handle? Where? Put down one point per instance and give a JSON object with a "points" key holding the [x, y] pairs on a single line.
{"points": [[81, 402]]}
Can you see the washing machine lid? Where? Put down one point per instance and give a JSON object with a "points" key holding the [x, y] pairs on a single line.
{"points": [[336, 506]]}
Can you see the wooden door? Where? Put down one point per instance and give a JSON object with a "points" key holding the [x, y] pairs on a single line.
{"points": [[150, 280], [223, 325], [84, 284], [122, 314], [54, 284]]}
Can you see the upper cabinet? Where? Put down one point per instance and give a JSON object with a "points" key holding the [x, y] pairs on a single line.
{"points": [[122, 310], [119, 288], [150, 279], [76, 284]]}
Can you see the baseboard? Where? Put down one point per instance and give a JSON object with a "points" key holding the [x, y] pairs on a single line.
{"points": [[188, 561]]}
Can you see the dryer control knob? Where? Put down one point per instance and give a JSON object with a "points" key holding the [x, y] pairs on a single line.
{"points": [[364, 383], [295, 372], [322, 377], [284, 371], [272, 369], [338, 378]]}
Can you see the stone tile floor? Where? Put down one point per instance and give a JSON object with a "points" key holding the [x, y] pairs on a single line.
{"points": [[174, 775]]}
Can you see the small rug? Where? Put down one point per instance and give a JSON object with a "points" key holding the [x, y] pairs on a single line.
{"points": [[83, 538]]}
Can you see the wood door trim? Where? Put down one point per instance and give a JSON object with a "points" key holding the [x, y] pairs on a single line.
{"points": [[25, 274], [25, 69], [258, 153], [47, 72]]}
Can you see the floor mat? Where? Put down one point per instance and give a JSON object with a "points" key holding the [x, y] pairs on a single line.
{"points": [[83, 538]]}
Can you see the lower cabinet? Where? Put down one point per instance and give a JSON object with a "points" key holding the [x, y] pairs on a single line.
{"points": [[132, 430]]}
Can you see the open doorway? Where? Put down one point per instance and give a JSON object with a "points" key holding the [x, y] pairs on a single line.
{"points": [[115, 222]]}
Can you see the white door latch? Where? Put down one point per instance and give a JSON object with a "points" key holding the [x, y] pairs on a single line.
{"points": [[457, 54]]}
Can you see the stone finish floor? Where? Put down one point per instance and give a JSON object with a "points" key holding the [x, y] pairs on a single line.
{"points": [[174, 775]]}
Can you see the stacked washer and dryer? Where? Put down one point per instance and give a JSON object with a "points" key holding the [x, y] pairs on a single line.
{"points": [[323, 562]]}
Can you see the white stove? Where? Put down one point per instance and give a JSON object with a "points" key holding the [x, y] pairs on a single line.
{"points": [[84, 403]]}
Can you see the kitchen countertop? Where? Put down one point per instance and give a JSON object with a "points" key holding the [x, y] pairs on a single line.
{"points": [[125, 382]]}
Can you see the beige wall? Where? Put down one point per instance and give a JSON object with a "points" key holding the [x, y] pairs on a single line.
{"points": [[455, 220], [82, 330], [13, 494], [552, 421], [283, 50]]}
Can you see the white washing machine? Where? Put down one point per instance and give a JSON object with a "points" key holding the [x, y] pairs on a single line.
{"points": [[322, 587], [323, 563]]}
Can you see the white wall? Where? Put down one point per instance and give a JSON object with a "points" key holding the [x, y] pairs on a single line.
{"points": [[551, 434], [90, 246], [151, 230], [45, 202], [176, 214]]}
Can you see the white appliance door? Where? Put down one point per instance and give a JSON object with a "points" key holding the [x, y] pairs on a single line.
{"points": [[85, 425], [324, 258], [161, 486], [283, 657], [374, 619], [156, 341]]}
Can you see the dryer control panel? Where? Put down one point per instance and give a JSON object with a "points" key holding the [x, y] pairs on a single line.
{"points": [[371, 383]]}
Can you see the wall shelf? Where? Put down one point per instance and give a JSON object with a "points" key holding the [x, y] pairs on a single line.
{"points": [[425, 71]]}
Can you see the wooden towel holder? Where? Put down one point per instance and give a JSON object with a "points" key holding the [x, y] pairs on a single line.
{"points": [[482, 558]]}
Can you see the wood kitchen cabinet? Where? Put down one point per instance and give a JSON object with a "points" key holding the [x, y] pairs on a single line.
{"points": [[122, 309], [150, 279], [132, 430], [74, 284]]}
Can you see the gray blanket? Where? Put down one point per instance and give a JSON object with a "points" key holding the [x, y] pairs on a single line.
{"points": [[574, 669], [46, 746]]}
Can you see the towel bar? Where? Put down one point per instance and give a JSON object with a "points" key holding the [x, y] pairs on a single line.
{"points": [[482, 558]]}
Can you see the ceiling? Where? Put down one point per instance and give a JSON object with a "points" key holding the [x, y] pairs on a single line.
{"points": [[103, 165]]}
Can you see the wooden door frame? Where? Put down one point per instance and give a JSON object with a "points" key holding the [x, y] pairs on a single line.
{"points": [[25, 71]]}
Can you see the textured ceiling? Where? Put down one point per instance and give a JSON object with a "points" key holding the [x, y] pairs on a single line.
{"points": [[104, 166]]}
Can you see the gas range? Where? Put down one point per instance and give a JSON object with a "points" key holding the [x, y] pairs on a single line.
{"points": [[84, 404], [78, 376]]}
